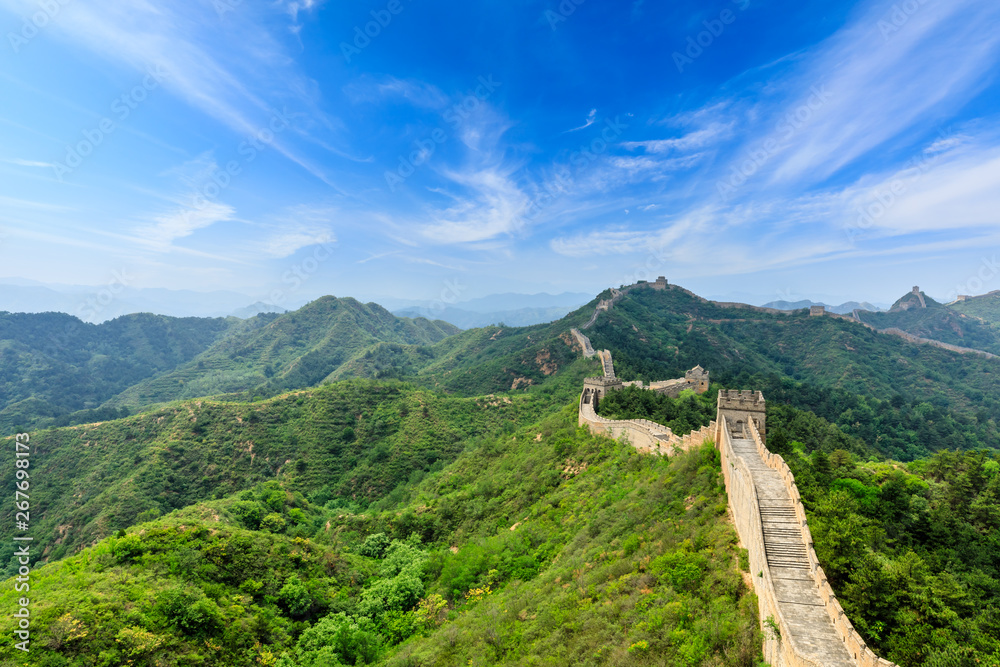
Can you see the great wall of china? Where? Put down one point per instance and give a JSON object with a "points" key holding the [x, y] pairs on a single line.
{"points": [[792, 590]]}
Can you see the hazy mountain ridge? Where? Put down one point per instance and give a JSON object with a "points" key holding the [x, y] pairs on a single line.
{"points": [[845, 308], [927, 318]]}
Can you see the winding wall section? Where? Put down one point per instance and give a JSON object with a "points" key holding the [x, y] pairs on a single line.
{"points": [[792, 590]]}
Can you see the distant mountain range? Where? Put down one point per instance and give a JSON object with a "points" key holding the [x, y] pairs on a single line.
{"points": [[515, 310], [96, 304], [843, 309]]}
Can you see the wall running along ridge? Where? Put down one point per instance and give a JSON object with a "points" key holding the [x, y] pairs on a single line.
{"points": [[794, 646]]}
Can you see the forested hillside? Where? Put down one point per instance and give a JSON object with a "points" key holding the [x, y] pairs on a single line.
{"points": [[985, 307], [56, 370], [544, 546], [352, 441], [451, 512], [906, 400], [289, 351], [937, 322], [52, 364]]}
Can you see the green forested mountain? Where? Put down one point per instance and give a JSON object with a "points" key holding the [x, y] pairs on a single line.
{"points": [[352, 441], [985, 307], [543, 546], [450, 512], [936, 321], [53, 364], [906, 400], [56, 370], [274, 353]]}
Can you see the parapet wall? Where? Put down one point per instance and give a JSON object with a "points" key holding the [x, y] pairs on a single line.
{"points": [[644, 435], [936, 343], [855, 645], [745, 506]]}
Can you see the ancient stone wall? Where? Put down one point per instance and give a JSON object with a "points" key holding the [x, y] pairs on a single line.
{"points": [[644, 435], [744, 412], [588, 349], [855, 645], [936, 343]]}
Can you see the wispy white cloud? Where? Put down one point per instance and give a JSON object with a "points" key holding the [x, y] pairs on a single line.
{"points": [[379, 90], [300, 227], [183, 221], [494, 207], [591, 119], [25, 203], [242, 83], [697, 139], [28, 163], [867, 85]]}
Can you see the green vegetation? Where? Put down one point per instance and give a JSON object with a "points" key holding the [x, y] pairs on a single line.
{"points": [[912, 550], [53, 365], [937, 322], [347, 443], [905, 400], [275, 353], [450, 511], [985, 307], [56, 370], [546, 546], [682, 415]]}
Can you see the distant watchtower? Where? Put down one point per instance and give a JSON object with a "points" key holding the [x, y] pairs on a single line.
{"points": [[739, 407], [698, 377], [817, 311], [661, 283]]}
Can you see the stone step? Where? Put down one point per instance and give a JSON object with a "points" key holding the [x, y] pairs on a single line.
{"points": [[788, 563]]}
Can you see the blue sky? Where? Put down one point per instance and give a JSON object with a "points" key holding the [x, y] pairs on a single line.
{"points": [[435, 150]]}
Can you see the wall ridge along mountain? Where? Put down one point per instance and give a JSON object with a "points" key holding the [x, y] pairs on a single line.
{"points": [[792, 590]]}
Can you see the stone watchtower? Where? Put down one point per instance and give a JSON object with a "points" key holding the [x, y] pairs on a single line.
{"points": [[594, 389], [698, 378], [817, 311], [739, 407], [661, 283]]}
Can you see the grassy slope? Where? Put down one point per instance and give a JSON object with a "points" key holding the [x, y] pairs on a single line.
{"points": [[985, 307], [614, 558], [52, 364], [937, 322], [354, 440], [273, 353]]}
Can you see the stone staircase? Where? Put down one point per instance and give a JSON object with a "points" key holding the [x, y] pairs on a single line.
{"points": [[795, 590]]}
